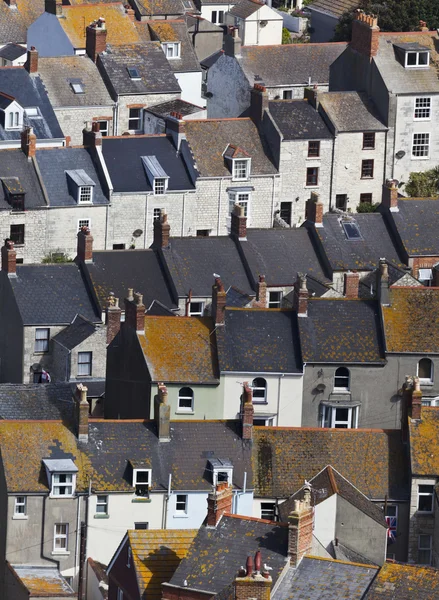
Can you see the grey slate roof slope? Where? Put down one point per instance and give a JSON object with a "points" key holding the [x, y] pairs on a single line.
{"points": [[295, 63], [51, 294], [28, 91], [14, 163], [156, 75], [12, 25], [216, 553], [334, 8], [259, 341], [60, 72], [50, 401], [117, 270], [342, 331], [188, 61], [368, 284], [12, 51], [192, 261], [180, 106], [317, 578], [123, 159], [298, 120], [53, 164], [360, 254], [351, 111], [280, 254], [149, 8], [77, 332], [245, 8], [332, 482], [397, 78], [211, 60]]}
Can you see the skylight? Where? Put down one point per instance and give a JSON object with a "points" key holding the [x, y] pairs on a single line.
{"points": [[78, 88], [133, 73], [351, 230]]}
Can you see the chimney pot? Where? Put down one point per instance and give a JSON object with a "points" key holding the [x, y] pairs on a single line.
{"points": [[219, 300], [9, 258], [365, 34], [135, 311], [249, 566], [82, 412], [113, 318]]}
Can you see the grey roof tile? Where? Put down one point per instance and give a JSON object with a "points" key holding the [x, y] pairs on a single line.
{"points": [[405, 582], [51, 401], [245, 8], [77, 332], [298, 120], [149, 8], [12, 51], [334, 7], [13, 27], [14, 163], [351, 111], [416, 224], [180, 106], [177, 31]]}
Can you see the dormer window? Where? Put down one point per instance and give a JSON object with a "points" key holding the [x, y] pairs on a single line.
{"points": [[239, 162], [85, 194], [61, 475], [156, 175], [80, 186], [11, 111], [241, 168], [222, 471], [412, 55], [417, 59], [159, 186], [171, 49], [142, 481], [14, 192]]}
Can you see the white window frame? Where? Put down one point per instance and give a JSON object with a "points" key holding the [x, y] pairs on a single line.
{"points": [[271, 510], [275, 303], [268, 421], [218, 470], [181, 397], [138, 120], [89, 363], [136, 483], [428, 548], [104, 131], [424, 495], [172, 50], [426, 380], [20, 502], [57, 485], [351, 422], [241, 198], [421, 145], [102, 504], [120, 592], [63, 538], [181, 511], [424, 106], [195, 312], [259, 399], [342, 388], [160, 186], [417, 65], [14, 118], [46, 345], [84, 223], [241, 169], [156, 214], [85, 194]]}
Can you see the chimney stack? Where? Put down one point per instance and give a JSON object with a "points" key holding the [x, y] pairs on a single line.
{"points": [[32, 60], [84, 247], [383, 286], [114, 313], [247, 412], [218, 302], [390, 195], [351, 283], [91, 135], [416, 399], [28, 142], [82, 412], [365, 34], [314, 210], [261, 292], [258, 103], [232, 42], [96, 39], [301, 294], [218, 503], [162, 231], [238, 224], [54, 7], [300, 528], [9, 258], [130, 13], [253, 583], [162, 413], [175, 127], [135, 311], [312, 95]]}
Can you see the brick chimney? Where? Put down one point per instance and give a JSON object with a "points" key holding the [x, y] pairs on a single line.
{"points": [[175, 127], [28, 142], [312, 95], [91, 135], [114, 313], [162, 231], [32, 60], [54, 7], [218, 503], [162, 413], [416, 399], [390, 195], [9, 258], [300, 528], [238, 223], [314, 210], [247, 412], [218, 302], [258, 103], [232, 42], [84, 246], [96, 39], [383, 285], [301, 295], [253, 583], [130, 13], [261, 292], [365, 34], [82, 408], [135, 311], [351, 282]]}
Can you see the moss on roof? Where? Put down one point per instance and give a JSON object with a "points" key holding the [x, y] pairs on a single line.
{"points": [[164, 31], [405, 582], [424, 442]]}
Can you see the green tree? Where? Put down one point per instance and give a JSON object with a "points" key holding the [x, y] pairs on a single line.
{"points": [[286, 38], [423, 185], [367, 207]]}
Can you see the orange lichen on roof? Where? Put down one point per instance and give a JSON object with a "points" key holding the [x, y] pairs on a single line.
{"points": [[411, 322], [424, 442], [30, 10], [180, 349], [156, 556], [120, 28], [41, 586], [405, 581], [164, 31]]}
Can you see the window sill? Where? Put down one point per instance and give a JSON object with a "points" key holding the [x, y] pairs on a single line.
{"points": [[178, 516], [341, 390], [420, 158], [368, 149], [141, 500], [426, 383], [18, 245], [82, 376], [310, 187], [313, 158], [184, 412], [60, 553], [65, 497], [20, 518], [41, 353], [260, 402], [101, 516], [367, 178], [425, 513]]}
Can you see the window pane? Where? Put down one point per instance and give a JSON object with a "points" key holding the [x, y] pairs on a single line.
{"points": [[367, 168], [312, 175], [314, 149], [425, 369], [421, 144], [368, 141], [268, 510]]}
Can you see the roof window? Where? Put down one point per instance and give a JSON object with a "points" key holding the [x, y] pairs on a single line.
{"points": [[142, 477], [14, 192], [351, 230], [156, 175], [77, 87], [133, 73]]}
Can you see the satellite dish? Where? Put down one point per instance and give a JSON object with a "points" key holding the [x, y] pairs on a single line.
{"points": [[137, 233], [400, 154]]}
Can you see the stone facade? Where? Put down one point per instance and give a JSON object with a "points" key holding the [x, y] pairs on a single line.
{"points": [[124, 104], [30, 357], [72, 120], [421, 523], [64, 363]]}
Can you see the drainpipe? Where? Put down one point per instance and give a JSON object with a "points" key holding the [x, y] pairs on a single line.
{"points": [[165, 504], [282, 375], [43, 524]]}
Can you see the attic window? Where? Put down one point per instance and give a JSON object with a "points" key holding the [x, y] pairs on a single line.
{"points": [[142, 481], [80, 186], [133, 73], [32, 112], [417, 59], [14, 192], [222, 471], [156, 175], [61, 474], [171, 49], [78, 88], [351, 230]]}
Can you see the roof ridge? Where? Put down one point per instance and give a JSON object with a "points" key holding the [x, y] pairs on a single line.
{"points": [[255, 519], [342, 562], [332, 479]]}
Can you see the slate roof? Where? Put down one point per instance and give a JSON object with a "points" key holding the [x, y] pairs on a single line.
{"points": [[416, 225], [77, 332], [351, 111], [192, 261], [180, 350], [12, 51], [28, 91], [43, 582], [424, 441], [176, 31], [35, 401], [117, 270], [411, 322], [405, 582], [51, 294], [339, 330], [208, 140], [373, 460], [149, 8], [156, 75], [334, 8], [316, 578], [14, 163], [58, 73], [280, 254], [259, 341], [53, 164], [156, 556], [332, 482], [217, 553], [123, 160], [112, 444], [211, 59], [12, 25], [30, 10], [245, 8], [362, 255], [181, 106], [400, 80], [295, 63], [298, 120]]}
